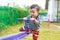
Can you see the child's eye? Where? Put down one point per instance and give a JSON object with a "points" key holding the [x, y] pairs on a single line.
{"points": [[32, 12]]}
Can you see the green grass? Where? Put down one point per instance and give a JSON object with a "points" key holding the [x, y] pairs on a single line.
{"points": [[58, 23], [12, 29], [46, 33]]}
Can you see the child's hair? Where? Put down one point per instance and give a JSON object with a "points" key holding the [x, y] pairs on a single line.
{"points": [[35, 6]]}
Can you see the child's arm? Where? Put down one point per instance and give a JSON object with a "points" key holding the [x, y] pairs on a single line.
{"points": [[22, 19], [35, 20], [25, 19]]}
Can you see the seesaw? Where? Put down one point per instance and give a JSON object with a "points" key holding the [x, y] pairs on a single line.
{"points": [[16, 36]]}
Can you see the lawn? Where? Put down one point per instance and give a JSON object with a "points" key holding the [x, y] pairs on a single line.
{"points": [[46, 33], [57, 23]]}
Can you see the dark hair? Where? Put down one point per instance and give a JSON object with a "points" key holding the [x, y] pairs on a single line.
{"points": [[35, 6]]}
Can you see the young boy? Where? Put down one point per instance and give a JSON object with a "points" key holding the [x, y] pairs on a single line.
{"points": [[35, 21]]}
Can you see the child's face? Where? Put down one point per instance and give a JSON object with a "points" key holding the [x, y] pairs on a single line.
{"points": [[34, 12]]}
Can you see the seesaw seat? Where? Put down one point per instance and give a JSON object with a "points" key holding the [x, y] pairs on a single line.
{"points": [[16, 36]]}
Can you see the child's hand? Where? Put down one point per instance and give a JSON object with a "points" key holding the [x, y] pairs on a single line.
{"points": [[35, 21], [24, 19], [32, 19]]}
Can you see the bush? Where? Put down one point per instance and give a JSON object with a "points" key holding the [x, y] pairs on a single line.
{"points": [[10, 15], [43, 12]]}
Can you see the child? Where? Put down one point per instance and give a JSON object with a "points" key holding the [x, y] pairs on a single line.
{"points": [[35, 21]]}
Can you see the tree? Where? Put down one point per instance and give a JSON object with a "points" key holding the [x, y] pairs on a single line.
{"points": [[46, 6]]}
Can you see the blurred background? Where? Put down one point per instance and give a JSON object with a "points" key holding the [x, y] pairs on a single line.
{"points": [[11, 10]]}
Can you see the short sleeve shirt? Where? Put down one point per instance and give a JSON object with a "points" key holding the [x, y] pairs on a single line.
{"points": [[32, 25]]}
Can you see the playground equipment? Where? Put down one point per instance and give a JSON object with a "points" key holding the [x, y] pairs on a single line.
{"points": [[16, 36]]}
